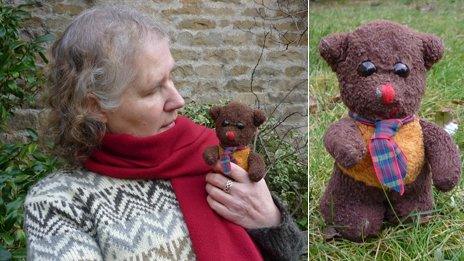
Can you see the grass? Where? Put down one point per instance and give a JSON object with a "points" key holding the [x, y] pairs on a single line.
{"points": [[443, 237]]}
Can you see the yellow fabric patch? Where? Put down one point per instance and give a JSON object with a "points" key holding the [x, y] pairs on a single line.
{"points": [[240, 157], [409, 140]]}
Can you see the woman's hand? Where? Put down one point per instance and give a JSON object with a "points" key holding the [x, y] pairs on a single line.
{"points": [[248, 204]]}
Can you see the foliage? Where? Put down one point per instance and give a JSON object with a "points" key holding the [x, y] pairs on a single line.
{"points": [[287, 175], [19, 77], [21, 164], [287, 172], [199, 113], [443, 237]]}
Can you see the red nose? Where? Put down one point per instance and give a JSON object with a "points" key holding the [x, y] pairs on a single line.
{"points": [[230, 135], [388, 93]]}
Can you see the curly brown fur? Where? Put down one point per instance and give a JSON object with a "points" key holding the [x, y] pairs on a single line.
{"points": [[256, 167], [351, 208], [355, 210], [227, 119], [211, 155], [344, 142], [417, 200], [384, 43]]}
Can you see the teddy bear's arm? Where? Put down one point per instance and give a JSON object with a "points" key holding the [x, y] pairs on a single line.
{"points": [[211, 155], [256, 167], [442, 155], [344, 142]]}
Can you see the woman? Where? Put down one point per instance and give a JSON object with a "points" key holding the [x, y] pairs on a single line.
{"points": [[140, 188]]}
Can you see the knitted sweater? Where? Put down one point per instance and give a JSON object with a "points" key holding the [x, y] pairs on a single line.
{"points": [[81, 215]]}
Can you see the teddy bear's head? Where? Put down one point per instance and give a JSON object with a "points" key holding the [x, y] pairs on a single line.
{"points": [[381, 67], [236, 123]]}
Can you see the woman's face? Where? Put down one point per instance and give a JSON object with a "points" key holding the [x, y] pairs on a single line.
{"points": [[149, 106]]}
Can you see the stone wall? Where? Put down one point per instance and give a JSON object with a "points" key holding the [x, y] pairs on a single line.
{"points": [[219, 46]]}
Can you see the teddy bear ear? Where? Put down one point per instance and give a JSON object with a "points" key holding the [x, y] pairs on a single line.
{"points": [[258, 117], [433, 49], [333, 48], [214, 112]]}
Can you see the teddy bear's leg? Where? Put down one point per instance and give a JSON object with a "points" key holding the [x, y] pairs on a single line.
{"points": [[354, 210], [417, 200]]}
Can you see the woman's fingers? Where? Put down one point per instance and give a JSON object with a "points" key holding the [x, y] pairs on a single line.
{"points": [[215, 187], [237, 173], [221, 209], [217, 180], [219, 195], [247, 204]]}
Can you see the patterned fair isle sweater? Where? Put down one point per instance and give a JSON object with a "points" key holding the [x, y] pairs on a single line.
{"points": [[80, 215]]}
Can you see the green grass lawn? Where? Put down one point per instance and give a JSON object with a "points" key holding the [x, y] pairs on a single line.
{"points": [[443, 237]]}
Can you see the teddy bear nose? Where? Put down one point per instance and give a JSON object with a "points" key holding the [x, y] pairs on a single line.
{"points": [[230, 135], [387, 93]]}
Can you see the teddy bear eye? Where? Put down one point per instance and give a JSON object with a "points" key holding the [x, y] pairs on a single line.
{"points": [[240, 125], [225, 123], [401, 69], [366, 68]]}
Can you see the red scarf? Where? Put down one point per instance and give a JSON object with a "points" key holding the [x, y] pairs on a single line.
{"points": [[176, 155]]}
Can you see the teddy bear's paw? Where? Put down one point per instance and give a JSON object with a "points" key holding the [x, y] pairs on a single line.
{"points": [[210, 156], [349, 155], [209, 160], [446, 184], [256, 176]]}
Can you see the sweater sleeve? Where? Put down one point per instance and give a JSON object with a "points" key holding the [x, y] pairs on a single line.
{"points": [[282, 242], [58, 229]]}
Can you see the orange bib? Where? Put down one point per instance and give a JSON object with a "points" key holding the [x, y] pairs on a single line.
{"points": [[409, 140], [239, 157]]}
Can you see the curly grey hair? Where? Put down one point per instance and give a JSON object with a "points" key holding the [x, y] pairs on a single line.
{"points": [[94, 57]]}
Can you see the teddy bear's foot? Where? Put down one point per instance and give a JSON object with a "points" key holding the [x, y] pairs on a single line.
{"points": [[360, 230], [354, 210], [415, 204]]}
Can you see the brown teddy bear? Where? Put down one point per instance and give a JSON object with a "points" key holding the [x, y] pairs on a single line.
{"points": [[385, 156], [236, 126]]}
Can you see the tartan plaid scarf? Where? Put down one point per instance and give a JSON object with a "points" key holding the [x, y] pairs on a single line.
{"points": [[390, 163], [227, 157]]}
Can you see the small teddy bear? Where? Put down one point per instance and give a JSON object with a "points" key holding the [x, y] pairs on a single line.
{"points": [[386, 157], [236, 126]]}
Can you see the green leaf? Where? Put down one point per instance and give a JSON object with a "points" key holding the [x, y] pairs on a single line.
{"points": [[32, 134], [9, 239], [22, 14], [20, 253], [45, 38], [20, 235], [2, 208], [14, 205], [9, 221]]}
